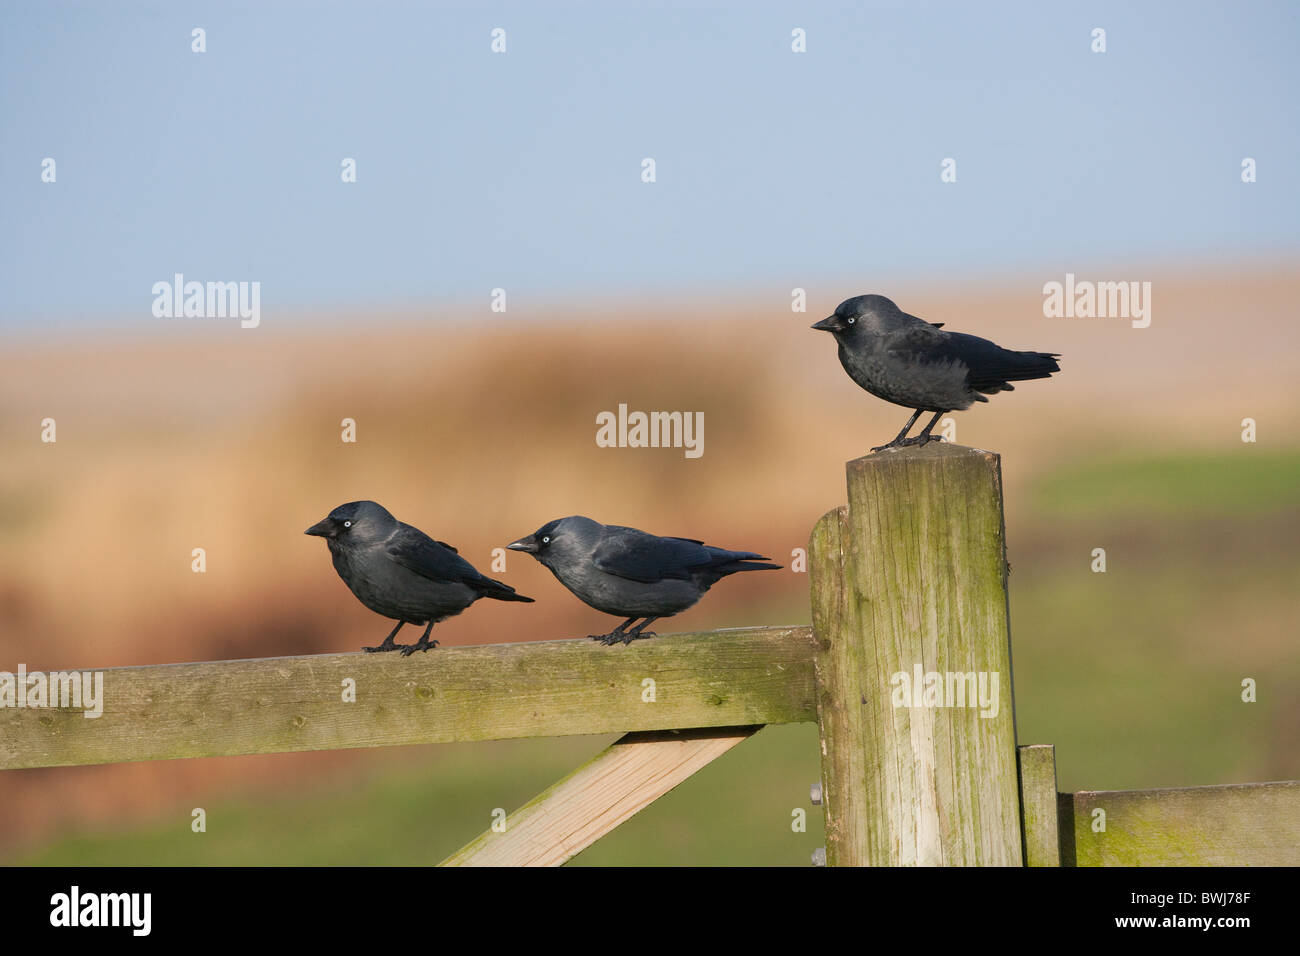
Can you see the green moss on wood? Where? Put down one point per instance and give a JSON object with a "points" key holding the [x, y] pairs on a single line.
{"points": [[734, 677], [914, 571], [1038, 802], [1254, 824]]}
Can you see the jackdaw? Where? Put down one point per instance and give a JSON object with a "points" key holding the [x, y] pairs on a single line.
{"points": [[911, 362], [400, 572], [630, 573]]}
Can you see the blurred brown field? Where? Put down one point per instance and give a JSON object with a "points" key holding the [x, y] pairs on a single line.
{"points": [[480, 427]]}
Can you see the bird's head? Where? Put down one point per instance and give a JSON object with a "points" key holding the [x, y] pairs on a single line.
{"points": [[356, 522], [558, 538], [860, 315]]}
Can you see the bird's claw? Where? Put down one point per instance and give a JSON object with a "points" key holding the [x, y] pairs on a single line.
{"points": [[422, 645], [385, 647], [617, 637], [917, 441]]}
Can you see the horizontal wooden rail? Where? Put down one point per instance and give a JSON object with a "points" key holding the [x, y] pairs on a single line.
{"points": [[730, 678], [1251, 824]]}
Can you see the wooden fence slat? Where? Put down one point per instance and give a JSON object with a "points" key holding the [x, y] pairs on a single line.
{"points": [[921, 554], [846, 802], [1038, 817], [737, 677], [615, 785], [1251, 824]]}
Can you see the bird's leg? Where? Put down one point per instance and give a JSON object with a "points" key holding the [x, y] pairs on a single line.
{"points": [[423, 644], [924, 438], [636, 632], [614, 636], [388, 644], [899, 439]]}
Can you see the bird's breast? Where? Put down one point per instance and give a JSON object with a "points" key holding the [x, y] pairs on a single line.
{"points": [[906, 379], [626, 598]]}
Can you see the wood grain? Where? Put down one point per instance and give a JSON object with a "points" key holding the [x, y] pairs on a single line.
{"points": [[618, 783], [1250, 824], [1038, 816], [920, 556], [725, 678]]}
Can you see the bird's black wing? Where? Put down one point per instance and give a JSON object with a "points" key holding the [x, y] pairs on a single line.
{"points": [[990, 367], [638, 556], [415, 550], [914, 335]]}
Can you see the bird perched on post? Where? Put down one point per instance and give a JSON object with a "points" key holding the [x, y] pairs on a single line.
{"points": [[400, 572], [914, 363], [630, 573]]}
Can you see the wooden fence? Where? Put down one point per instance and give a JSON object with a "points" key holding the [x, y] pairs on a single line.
{"points": [[908, 580]]}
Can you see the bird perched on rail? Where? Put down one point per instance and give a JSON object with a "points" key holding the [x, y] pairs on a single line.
{"points": [[400, 572], [631, 573], [914, 363]]}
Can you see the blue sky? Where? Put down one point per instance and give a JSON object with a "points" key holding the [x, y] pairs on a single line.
{"points": [[522, 170]]}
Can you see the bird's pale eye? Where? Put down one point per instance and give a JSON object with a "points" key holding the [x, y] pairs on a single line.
{"points": [[852, 320], [546, 540], [347, 524]]}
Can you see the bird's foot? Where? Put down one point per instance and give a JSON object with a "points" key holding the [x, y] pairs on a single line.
{"points": [[613, 637], [423, 644], [916, 441], [629, 638], [388, 645]]}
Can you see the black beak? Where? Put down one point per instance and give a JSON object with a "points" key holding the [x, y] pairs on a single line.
{"points": [[526, 544], [322, 529], [831, 323]]}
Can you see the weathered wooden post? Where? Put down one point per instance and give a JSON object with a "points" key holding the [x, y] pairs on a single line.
{"points": [[910, 614]]}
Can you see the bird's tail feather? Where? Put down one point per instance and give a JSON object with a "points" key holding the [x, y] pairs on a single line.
{"points": [[1023, 366], [995, 373], [755, 562], [500, 592]]}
